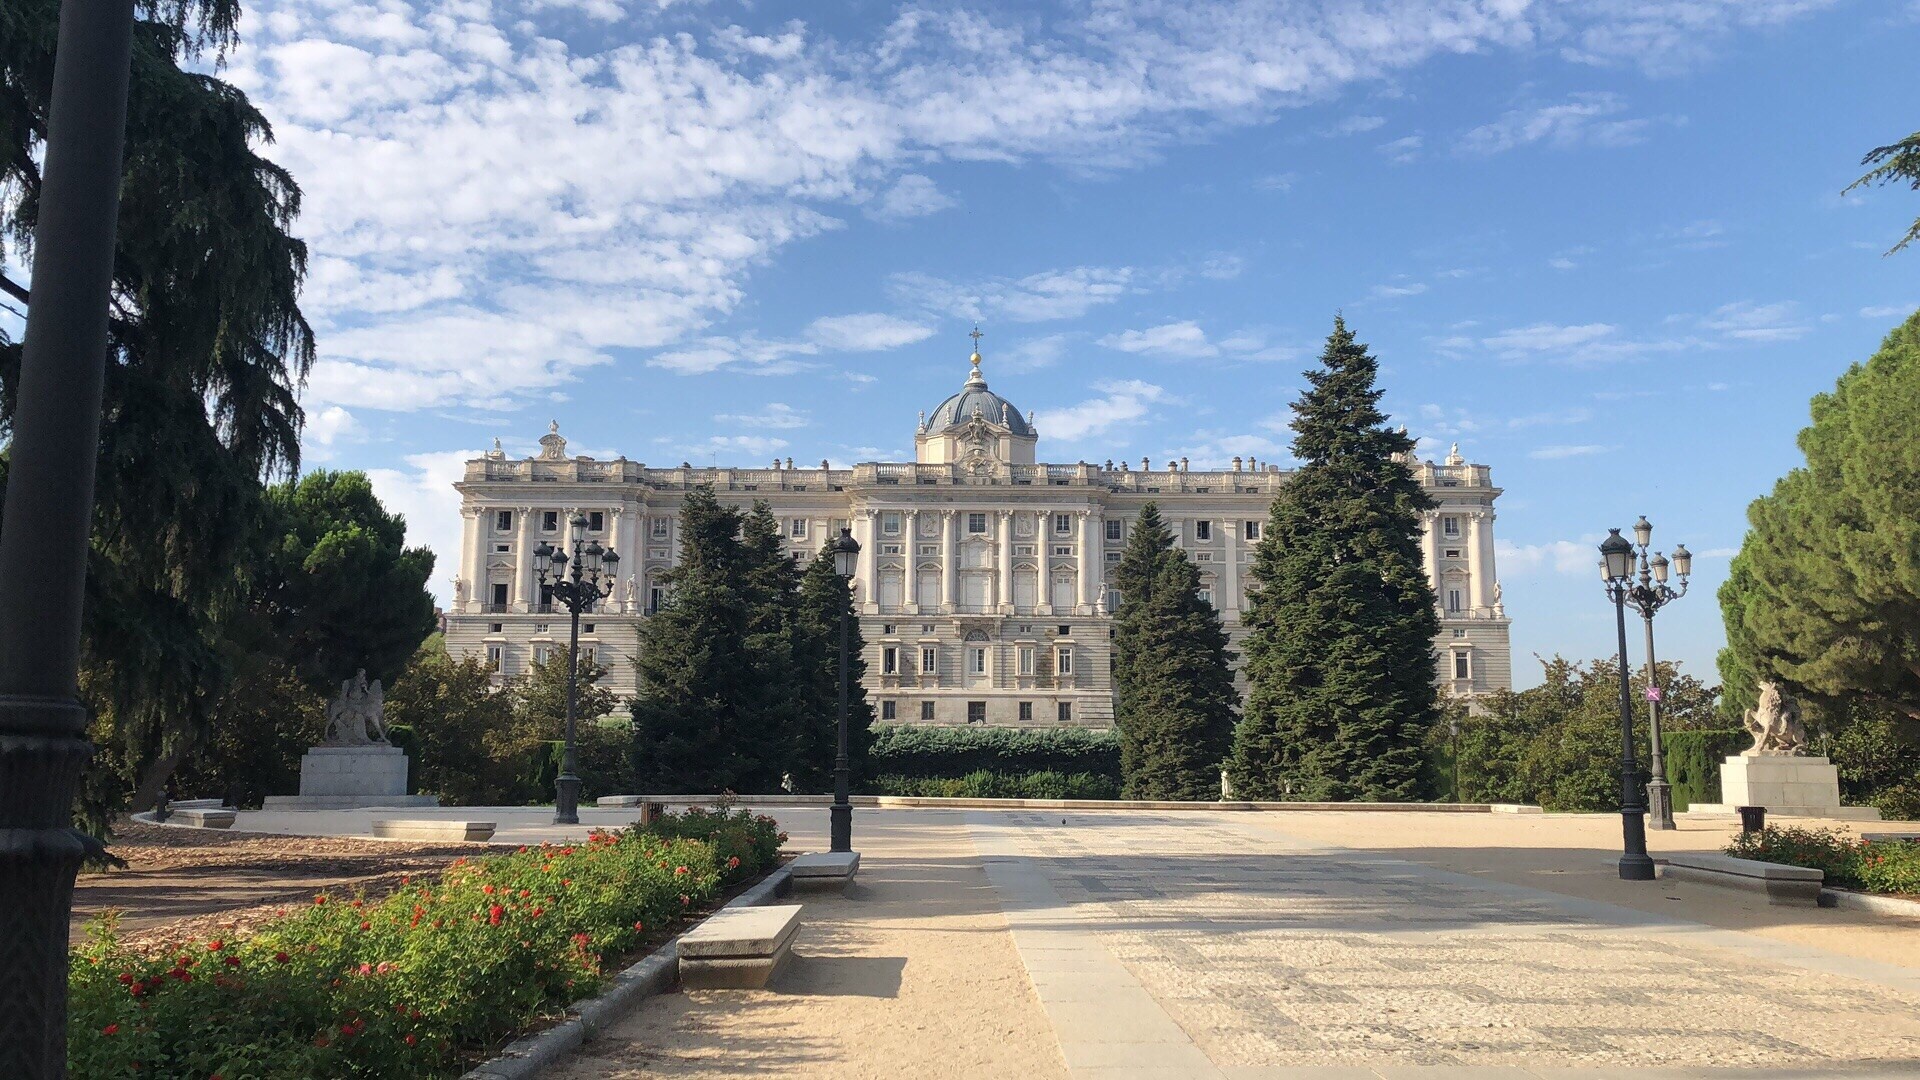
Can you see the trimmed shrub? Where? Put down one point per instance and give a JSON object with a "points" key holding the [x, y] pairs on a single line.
{"points": [[912, 751], [983, 784], [1693, 762], [414, 985], [1881, 866]]}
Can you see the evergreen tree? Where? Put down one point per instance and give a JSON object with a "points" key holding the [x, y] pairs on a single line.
{"points": [[771, 712], [1340, 661], [1172, 676], [824, 597], [687, 725], [1826, 595]]}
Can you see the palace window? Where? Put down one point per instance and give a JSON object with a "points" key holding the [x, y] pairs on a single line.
{"points": [[1063, 524], [1026, 712], [1066, 712], [976, 712], [1252, 530], [1114, 530], [889, 710], [1453, 600], [502, 549], [1064, 630], [1203, 530], [1462, 665], [503, 521], [496, 656], [550, 520], [660, 527], [655, 597], [890, 524], [1450, 526], [1113, 556], [976, 524], [1063, 549], [1453, 553], [586, 628], [889, 661], [1026, 659], [928, 658], [1065, 662], [886, 628], [587, 653], [797, 528], [596, 520], [926, 710], [494, 627], [1206, 594], [542, 653], [977, 661]]}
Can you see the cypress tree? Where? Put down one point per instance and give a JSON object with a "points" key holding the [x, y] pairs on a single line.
{"points": [[686, 716], [1340, 662], [824, 596], [1172, 677], [771, 710]]}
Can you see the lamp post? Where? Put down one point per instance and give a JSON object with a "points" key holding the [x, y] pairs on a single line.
{"points": [[578, 583], [1649, 595], [1616, 569], [846, 560], [49, 508]]}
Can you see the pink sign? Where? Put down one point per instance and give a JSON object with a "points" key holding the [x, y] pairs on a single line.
{"points": [[1653, 694]]}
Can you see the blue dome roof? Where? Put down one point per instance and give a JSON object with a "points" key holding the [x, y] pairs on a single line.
{"points": [[975, 397]]}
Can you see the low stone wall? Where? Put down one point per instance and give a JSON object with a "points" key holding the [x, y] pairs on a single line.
{"points": [[930, 803]]}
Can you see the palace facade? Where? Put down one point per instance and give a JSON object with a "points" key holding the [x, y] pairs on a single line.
{"points": [[982, 582]]}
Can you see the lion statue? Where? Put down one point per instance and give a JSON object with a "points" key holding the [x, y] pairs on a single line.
{"points": [[1774, 723]]}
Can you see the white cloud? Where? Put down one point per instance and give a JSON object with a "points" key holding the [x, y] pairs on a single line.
{"points": [[1888, 311], [1121, 403], [911, 196], [1560, 556], [1042, 297], [1561, 262], [1357, 125], [1180, 340], [1556, 453], [866, 332], [1745, 320], [1281, 182], [1032, 354], [1394, 292], [423, 494], [1403, 150], [774, 415], [324, 428], [1584, 119]]}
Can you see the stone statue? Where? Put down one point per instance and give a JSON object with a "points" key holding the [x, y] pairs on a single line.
{"points": [[358, 716], [1775, 725], [630, 588], [460, 590]]}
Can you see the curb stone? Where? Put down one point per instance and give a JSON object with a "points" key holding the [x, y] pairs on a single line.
{"points": [[1871, 903], [526, 1058]]}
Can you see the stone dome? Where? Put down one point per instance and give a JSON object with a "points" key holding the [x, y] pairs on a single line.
{"points": [[973, 398]]}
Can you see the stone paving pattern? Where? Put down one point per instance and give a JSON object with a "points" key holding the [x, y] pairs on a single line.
{"points": [[1270, 953]]}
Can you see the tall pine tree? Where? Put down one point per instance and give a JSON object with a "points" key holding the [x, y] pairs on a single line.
{"points": [[770, 709], [1172, 677], [824, 597], [1340, 661], [687, 724]]}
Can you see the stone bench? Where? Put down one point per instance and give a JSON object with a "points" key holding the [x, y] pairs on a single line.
{"points": [[820, 871], [433, 829], [196, 804], [1892, 834], [201, 817], [1781, 884], [738, 948]]}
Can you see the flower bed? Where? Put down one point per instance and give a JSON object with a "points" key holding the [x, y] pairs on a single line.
{"points": [[414, 985], [1876, 866]]}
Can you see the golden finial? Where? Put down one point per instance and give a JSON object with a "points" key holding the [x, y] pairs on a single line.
{"points": [[976, 336]]}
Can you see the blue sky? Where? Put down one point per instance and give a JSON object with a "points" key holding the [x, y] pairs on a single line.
{"points": [[1600, 244]]}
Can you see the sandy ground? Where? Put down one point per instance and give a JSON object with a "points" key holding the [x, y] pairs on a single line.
{"points": [[912, 974], [1575, 854]]}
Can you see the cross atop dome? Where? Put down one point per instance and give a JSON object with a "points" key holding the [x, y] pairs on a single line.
{"points": [[974, 378]]}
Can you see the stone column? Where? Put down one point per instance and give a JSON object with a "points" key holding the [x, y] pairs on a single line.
{"points": [[1430, 548], [1005, 593], [949, 560], [473, 560], [866, 529], [1089, 557], [1486, 577], [910, 537], [526, 588], [1476, 574], [1230, 578]]}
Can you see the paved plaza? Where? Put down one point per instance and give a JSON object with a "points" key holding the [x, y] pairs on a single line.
{"points": [[1260, 946]]}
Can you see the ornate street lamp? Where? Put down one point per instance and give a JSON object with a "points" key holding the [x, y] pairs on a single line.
{"points": [[578, 583], [1649, 595], [846, 560], [1616, 569], [49, 509]]}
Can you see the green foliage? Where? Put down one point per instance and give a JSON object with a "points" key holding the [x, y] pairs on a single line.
{"points": [[1339, 653], [412, 985], [1879, 866], [1895, 162], [1174, 692], [204, 356], [259, 729], [1827, 600], [1693, 758], [983, 784], [456, 720], [603, 759], [825, 599], [919, 753], [1877, 752]]}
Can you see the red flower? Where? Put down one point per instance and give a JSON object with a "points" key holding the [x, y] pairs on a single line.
{"points": [[320, 899], [412, 1040], [733, 863], [366, 926], [679, 871], [110, 1029], [216, 946], [494, 914], [366, 969], [638, 926], [524, 893], [582, 940], [281, 957], [566, 883], [126, 978], [233, 961], [488, 889], [537, 912]]}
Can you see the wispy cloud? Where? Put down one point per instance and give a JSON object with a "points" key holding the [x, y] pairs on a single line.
{"points": [[866, 332], [1745, 320], [1888, 311], [1403, 150], [1584, 119], [1179, 340], [1394, 292], [1042, 297], [1559, 556], [774, 415], [911, 196], [1120, 403], [1556, 453]]}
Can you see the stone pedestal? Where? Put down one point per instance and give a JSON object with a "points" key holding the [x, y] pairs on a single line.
{"points": [[343, 777], [1787, 785]]}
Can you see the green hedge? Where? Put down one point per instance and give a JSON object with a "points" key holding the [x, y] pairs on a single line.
{"points": [[1693, 762], [990, 785], [1883, 866], [603, 754], [943, 753]]}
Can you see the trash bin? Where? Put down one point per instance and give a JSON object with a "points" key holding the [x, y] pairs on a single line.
{"points": [[1752, 818]]}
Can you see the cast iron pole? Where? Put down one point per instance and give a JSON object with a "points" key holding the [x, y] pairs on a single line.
{"points": [[1659, 792], [47, 514], [1635, 864], [841, 816]]}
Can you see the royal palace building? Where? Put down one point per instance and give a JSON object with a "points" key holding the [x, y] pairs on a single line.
{"points": [[983, 573]]}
